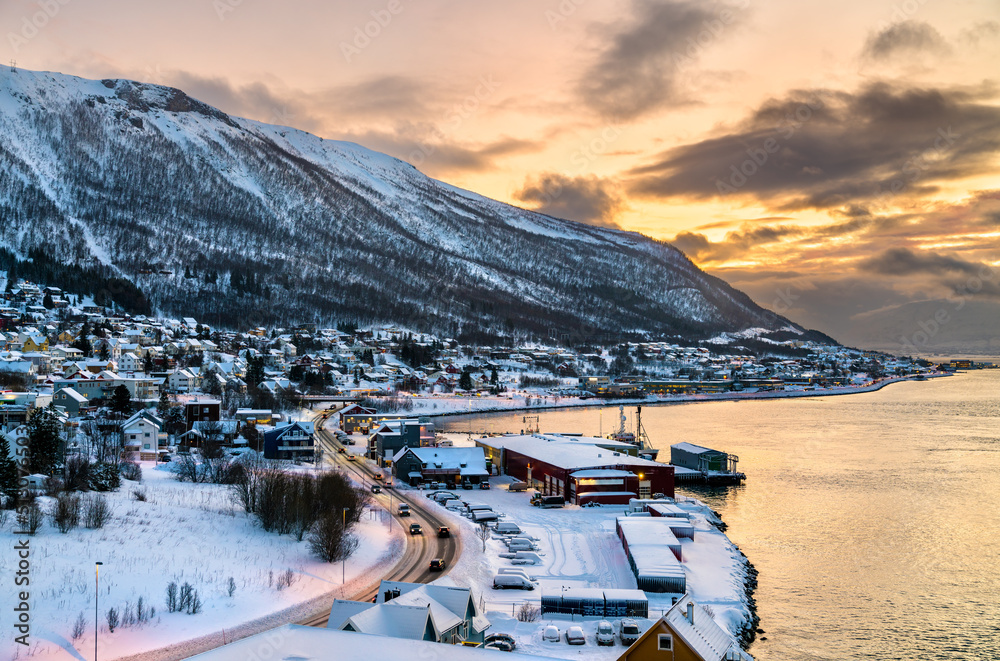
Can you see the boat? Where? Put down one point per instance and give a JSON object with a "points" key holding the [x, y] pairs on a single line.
{"points": [[637, 438]]}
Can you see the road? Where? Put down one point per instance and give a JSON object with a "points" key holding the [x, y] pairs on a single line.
{"points": [[420, 549]]}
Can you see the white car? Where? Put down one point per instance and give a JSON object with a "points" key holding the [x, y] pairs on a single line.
{"points": [[574, 636], [551, 634], [629, 632], [605, 633]]}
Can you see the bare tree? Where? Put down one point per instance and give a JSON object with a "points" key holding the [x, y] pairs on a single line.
{"points": [[528, 612], [483, 533], [329, 541]]}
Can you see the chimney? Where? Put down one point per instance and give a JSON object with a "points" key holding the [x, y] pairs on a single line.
{"points": [[690, 613]]}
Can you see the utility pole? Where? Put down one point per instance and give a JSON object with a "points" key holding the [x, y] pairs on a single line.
{"points": [[13, 66], [97, 595]]}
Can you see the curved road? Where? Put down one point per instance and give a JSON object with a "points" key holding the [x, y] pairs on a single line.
{"points": [[420, 549]]}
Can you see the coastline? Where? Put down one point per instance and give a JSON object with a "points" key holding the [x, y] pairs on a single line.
{"points": [[652, 400]]}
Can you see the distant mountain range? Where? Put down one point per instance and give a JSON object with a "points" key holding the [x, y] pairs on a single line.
{"points": [[241, 223]]}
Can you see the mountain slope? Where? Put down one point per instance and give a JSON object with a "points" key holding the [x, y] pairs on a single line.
{"points": [[274, 225]]}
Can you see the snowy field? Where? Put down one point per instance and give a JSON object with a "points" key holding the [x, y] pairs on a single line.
{"points": [[185, 533], [579, 548]]}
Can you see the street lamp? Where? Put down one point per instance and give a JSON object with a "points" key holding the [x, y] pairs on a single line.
{"points": [[343, 561], [97, 593]]}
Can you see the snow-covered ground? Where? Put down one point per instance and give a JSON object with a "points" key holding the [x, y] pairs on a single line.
{"points": [[579, 548], [185, 533]]}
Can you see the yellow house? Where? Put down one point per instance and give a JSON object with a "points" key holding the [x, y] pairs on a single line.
{"points": [[35, 343], [686, 632], [67, 337]]}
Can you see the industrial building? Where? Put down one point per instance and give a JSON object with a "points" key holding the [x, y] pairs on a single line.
{"points": [[580, 468]]}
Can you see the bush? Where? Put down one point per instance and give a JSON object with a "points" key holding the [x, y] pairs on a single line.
{"points": [[528, 613], [29, 520], [77, 473], [172, 602], [112, 617], [66, 513], [79, 627], [285, 579], [130, 470], [96, 511], [186, 468], [104, 477], [329, 541], [53, 486], [139, 494]]}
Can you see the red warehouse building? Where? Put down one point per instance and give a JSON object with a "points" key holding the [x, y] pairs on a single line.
{"points": [[582, 469]]}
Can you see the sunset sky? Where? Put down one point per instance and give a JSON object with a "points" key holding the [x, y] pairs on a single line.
{"points": [[838, 161]]}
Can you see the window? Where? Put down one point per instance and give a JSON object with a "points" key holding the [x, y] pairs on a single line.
{"points": [[145, 446], [665, 642]]}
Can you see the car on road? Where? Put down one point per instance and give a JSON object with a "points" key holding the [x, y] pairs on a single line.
{"points": [[437, 564], [404, 509], [379, 477], [350, 457], [629, 632], [605, 633], [415, 529], [551, 634], [341, 450], [501, 638], [376, 488], [574, 636], [443, 531]]}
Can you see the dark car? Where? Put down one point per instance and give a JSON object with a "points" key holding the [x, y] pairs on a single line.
{"points": [[341, 450], [467, 485], [376, 488], [501, 638], [437, 564], [444, 532], [484, 485], [415, 529]]}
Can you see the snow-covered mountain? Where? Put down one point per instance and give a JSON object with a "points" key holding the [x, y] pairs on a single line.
{"points": [[239, 222]]}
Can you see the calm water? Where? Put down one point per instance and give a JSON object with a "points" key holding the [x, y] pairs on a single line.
{"points": [[874, 519]]}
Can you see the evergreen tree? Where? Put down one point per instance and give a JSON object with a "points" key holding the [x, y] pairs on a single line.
{"points": [[465, 381], [494, 377], [8, 472], [44, 440], [163, 406], [255, 371], [48, 302], [104, 354], [147, 363], [121, 401]]}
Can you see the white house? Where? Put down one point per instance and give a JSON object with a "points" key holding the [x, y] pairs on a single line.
{"points": [[182, 380], [143, 434], [129, 362]]}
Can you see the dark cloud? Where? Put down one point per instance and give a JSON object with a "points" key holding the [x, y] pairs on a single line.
{"points": [[905, 39], [903, 261], [588, 200], [699, 248], [826, 149], [424, 146], [639, 70], [982, 31]]}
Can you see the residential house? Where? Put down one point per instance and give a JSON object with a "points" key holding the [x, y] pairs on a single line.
{"points": [[182, 380], [686, 632], [454, 465], [290, 441], [144, 434], [437, 613], [130, 362], [70, 400], [200, 410]]}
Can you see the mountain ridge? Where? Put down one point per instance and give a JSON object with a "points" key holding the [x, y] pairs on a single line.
{"points": [[275, 225]]}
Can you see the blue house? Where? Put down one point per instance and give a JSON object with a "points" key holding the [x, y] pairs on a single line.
{"points": [[291, 441]]}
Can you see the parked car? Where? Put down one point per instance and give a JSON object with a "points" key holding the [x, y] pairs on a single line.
{"points": [[467, 486], [574, 636], [443, 531], [499, 645], [605, 633], [511, 582], [415, 529], [629, 632], [501, 638], [376, 488], [484, 485], [437, 564], [551, 634]]}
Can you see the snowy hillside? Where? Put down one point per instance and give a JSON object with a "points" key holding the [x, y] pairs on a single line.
{"points": [[242, 223]]}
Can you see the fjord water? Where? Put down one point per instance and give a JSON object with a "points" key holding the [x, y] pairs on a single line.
{"points": [[874, 519]]}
